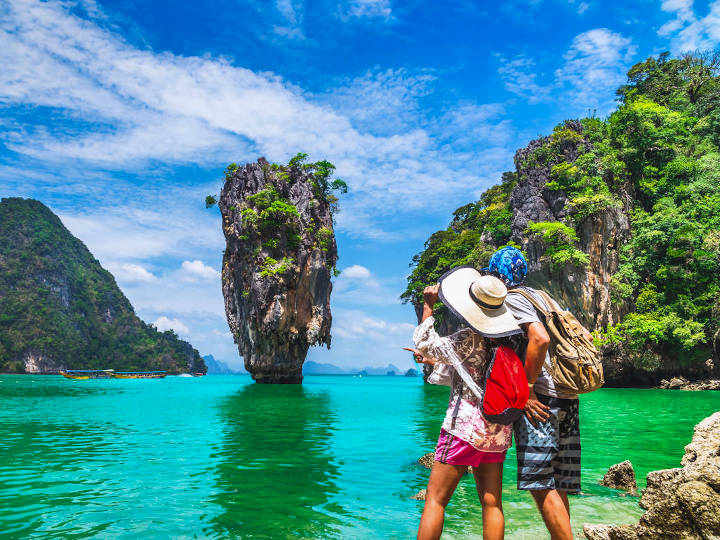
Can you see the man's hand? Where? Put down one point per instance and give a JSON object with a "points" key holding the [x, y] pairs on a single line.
{"points": [[420, 358], [431, 294], [535, 411]]}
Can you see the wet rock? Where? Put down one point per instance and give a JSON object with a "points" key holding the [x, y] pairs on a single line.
{"points": [[420, 495], [279, 257], [621, 476], [606, 532], [677, 382], [427, 460], [681, 383], [681, 503], [713, 384]]}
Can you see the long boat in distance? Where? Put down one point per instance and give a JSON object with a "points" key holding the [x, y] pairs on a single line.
{"points": [[139, 374], [87, 373]]}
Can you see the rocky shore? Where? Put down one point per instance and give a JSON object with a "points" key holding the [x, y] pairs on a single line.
{"points": [[681, 503], [681, 383]]}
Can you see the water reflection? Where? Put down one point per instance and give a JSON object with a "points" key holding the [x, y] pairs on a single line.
{"points": [[275, 475]]}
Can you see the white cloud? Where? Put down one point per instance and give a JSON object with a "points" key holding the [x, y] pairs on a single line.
{"points": [[131, 273], [356, 271], [594, 65], [148, 107], [366, 9], [519, 76], [198, 269], [687, 31], [122, 233], [354, 324], [164, 323]]}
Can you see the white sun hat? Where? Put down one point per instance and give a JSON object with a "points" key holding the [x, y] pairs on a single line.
{"points": [[479, 301]]}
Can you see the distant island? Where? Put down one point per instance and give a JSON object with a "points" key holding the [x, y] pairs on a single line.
{"points": [[218, 367], [316, 368], [59, 309]]}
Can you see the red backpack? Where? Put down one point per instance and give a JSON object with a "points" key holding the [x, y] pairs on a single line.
{"points": [[505, 387]]}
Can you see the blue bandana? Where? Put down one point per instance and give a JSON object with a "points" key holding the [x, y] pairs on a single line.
{"points": [[509, 265]]}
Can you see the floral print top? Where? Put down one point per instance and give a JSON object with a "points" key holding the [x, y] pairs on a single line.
{"points": [[461, 361]]}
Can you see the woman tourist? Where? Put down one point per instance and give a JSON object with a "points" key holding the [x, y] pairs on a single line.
{"points": [[467, 438]]}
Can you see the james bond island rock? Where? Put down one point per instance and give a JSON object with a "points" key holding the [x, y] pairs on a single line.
{"points": [[279, 259], [59, 309], [619, 221], [682, 503]]}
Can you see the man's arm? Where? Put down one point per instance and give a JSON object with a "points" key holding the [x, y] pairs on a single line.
{"points": [[538, 343]]}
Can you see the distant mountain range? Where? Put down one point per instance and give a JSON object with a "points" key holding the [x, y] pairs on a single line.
{"points": [[218, 367], [316, 368]]}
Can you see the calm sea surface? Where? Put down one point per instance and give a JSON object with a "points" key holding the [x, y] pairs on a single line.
{"points": [[220, 457]]}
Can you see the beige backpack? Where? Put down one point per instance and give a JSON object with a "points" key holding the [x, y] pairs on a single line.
{"points": [[575, 363]]}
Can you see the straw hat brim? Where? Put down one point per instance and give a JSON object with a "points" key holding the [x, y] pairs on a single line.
{"points": [[455, 294]]}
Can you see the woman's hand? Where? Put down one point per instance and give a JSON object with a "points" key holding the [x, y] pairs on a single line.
{"points": [[420, 358], [535, 411], [431, 294]]}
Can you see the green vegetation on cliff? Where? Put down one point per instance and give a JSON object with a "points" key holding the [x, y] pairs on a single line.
{"points": [[60, 308], [657, 158]]}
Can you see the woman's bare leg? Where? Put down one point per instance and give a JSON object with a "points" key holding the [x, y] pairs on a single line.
{"points": [[488, 479], [441, 486]]}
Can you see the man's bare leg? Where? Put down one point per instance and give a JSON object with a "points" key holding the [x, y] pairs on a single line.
{"points": [[441, 486], [555, 509]]}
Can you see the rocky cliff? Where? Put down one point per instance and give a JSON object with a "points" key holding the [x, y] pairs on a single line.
{"points": [[584, 289], [278, 262], [59, 309], [681, 503], [619, 221]]}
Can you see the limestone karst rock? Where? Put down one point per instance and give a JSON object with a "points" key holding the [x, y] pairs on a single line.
{"points": [[277, 266], [681, 503], [585, 290]]}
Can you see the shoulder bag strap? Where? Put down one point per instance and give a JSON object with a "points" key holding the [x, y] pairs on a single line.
{"points": [[529, 297]]}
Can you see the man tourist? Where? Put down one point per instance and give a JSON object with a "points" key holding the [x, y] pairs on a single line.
{"points": [[547, 437]]}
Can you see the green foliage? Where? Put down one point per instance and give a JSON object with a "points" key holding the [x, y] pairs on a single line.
{"points": [[658, 154], [324, 237], [460, 243], [230, 170], [270, 267], [210, 201], [560, 241], [56, 301]]}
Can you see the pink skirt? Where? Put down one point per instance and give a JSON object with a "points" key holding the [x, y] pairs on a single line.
{"points": [[453, 451]]}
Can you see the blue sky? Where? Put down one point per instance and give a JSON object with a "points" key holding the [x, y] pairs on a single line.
{"points": [[121, 115]]}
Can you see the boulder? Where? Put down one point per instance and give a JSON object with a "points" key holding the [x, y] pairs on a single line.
{"points": [[428, 459], [677, 382], [681, 503], [621, 476]]}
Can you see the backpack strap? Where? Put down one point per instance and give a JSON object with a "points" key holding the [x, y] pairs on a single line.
{"points": [[530, 298], [550, 301]]}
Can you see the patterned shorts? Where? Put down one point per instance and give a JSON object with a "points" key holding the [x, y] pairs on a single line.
{"points": [[548, 455]]}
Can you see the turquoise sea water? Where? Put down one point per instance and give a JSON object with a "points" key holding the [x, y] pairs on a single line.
{"points": [[220, 457]]}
